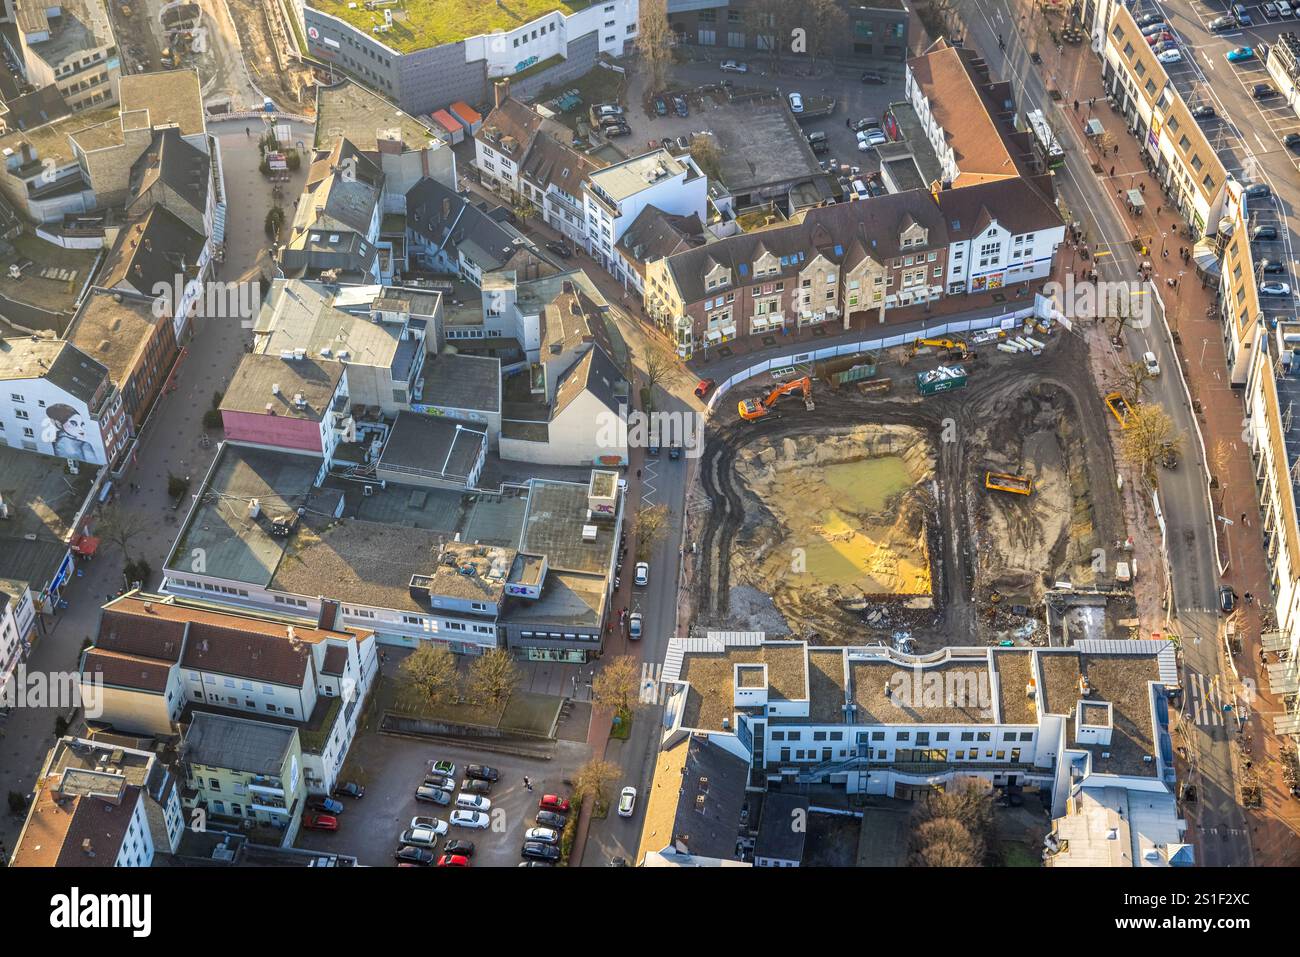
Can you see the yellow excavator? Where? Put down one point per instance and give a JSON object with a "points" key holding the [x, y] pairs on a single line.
{"points": [[751, 409], [957, 349]]}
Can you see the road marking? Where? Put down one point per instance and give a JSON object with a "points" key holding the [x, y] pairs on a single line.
{"points": [[651, 675]]}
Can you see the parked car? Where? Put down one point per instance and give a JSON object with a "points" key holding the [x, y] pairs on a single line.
{"points": [[1152, 364], [1170, 55], [1270, 10], [1155, 25], [1147, 19], [1267, 231], [866, 123], [446, 768], [613, 132], [733, 66], [1258, 191], [1240, 54], [471, 819], [609, 109], [683, 143], [553, 802], [437, 825], [536, 864], [326, 804], [667, 142], [873, 78], [420, 856], [315, 821], [349, 789], [642, 577], [433, 795], [1271, 267], [875, 136], [1154, 38], [551, 819], [1275, 289], [704, 387], [1285, 10], [661, 108], [440, 781], [1203, 112], [544, 835], [627, 802], [453, 860], [482, 772], [419, 837], [473, 802], [459, 846], [560, 249], [1227, 599], [634, 625], [1263, 91], [680, 107], [796, 102], [475, 786], [1291, 140], [539, 851]]}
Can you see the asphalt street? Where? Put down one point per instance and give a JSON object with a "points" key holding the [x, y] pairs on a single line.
{"points": [[1183, 491]]}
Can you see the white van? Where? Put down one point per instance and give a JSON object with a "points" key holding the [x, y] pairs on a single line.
{"points": [[860, 189]]}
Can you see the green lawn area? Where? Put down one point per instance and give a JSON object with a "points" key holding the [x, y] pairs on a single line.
{"points": [[621, 729], [1018, 854], [425, 23]]}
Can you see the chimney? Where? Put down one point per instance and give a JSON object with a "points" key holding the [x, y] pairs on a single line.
{"points": [[501, 91]]}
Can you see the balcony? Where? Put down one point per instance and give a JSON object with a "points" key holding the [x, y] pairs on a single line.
{"points": [[262, 784]]}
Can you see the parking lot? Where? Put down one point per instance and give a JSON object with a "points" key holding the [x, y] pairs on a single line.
{"points": [[369, 828]]}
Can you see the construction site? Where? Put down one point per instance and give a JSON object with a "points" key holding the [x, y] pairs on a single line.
{"points": [[926, 496]]}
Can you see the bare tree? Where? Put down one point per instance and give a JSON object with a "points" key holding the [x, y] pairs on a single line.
{"points": [[827, 25], [593, 778], [651, 527], [431, 669], [772, 23], [655, 41], [944, 842], [707, 155], [493, 677], [120, 526], [617, 684], [659, 364], [1147, 438], [1220, 459], [1133, 381]]}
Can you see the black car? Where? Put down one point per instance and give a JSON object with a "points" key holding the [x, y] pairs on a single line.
{"points": [[458, 846], [482, 772], [1271, 267], [1291, 141], [614, 131], [1262, 91], [415, 855], [440, 781], [1203, 112], [559, 249], [1258, 191], [1227, 599], [680, 107], [537, 851], [551, 819], [873, 78], [1264, 232], [475, 786], [1149, 18], [349, 789]]}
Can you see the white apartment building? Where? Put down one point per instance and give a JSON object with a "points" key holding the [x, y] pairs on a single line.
{"points": [[1095, 714], [17, 627], [69, 44], [614, 197]]}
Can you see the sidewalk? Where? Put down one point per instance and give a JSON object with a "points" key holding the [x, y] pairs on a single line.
{"points": [[1221, 414]]}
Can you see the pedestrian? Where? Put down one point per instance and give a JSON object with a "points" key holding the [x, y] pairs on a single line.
{"points": [[1112, 171], [247, 131], [1142, 188], [1164, 254], [528, 784], [638, 473], [1158, 209], [1243, 518], [1116, 149], [1076, 106]]}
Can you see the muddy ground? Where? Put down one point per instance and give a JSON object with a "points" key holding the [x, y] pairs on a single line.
{"points": [[991, 554]]}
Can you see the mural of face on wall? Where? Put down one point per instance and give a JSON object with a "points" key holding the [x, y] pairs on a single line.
{"points": [[65, 430]]}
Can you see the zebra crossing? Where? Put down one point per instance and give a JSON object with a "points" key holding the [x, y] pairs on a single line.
{"points": [[651, 676], [1206, 699]]}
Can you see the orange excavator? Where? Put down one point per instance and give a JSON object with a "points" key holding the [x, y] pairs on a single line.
{"points": [[751, 409]]}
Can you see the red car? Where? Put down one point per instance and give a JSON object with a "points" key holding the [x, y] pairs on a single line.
{"points": [[704, 388], [453, 860], [553, 802], [315, 821]]}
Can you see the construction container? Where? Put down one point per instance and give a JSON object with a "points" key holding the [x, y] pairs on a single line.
{"points": [[942, 379]]}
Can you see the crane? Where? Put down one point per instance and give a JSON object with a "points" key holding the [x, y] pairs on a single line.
{"points": [[751, 409]]}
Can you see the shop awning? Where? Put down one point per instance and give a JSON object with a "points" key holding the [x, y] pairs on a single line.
{"points": [[1135, 198], [713, 335], [1094, 128], [85, 545]]}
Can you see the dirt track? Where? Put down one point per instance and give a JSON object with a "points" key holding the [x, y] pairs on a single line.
{"points": [[1041, 409]]}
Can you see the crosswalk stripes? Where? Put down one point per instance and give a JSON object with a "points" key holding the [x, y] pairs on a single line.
{"points": [[651, 674], [1206, 699]]}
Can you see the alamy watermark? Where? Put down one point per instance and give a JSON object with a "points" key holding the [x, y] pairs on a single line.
{"points": [[208, 300], [918, 688], [1103, 299], [636, 429], [62, 691]]}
